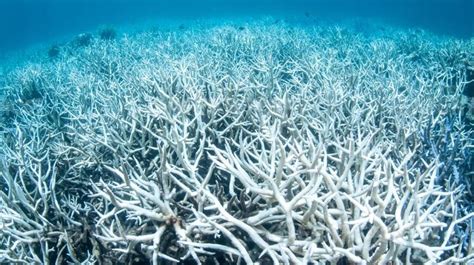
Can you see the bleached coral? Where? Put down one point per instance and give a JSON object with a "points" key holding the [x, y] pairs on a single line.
{"points": [[264, 143]]}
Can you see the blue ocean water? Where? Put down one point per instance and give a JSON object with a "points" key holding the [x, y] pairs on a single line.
{"points": [[25, 22]]}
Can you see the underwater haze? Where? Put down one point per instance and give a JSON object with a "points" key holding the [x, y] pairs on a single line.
{"points": [[24, 22], [236, 132]]}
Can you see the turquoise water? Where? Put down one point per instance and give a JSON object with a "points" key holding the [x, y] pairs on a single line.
{"points": [[25, 22]]}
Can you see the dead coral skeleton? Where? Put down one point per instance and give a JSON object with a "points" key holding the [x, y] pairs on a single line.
{"points": [[222, 145]]}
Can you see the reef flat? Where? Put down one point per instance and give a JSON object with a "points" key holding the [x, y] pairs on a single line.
{"points": [[262, 142]]}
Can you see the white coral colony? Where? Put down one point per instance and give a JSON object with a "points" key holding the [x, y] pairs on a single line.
{"points": [[263, 143]]}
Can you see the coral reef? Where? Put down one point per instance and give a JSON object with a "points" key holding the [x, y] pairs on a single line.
{"points": [[108, 33], [277, 144], [85, 39], [54, 51]]}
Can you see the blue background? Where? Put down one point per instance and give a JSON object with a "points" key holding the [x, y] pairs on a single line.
{"points": [[24, 22]]}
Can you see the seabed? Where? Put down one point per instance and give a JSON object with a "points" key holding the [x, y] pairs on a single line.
{"points": [[257, 142]]}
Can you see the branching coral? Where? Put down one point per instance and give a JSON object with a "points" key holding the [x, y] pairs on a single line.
{"points": [[266, 144]]}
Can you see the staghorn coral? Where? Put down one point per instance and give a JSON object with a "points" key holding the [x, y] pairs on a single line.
{"points": [[274, 144]]}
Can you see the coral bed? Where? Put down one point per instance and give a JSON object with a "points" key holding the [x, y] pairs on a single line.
{"points": [[266, 143]]}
